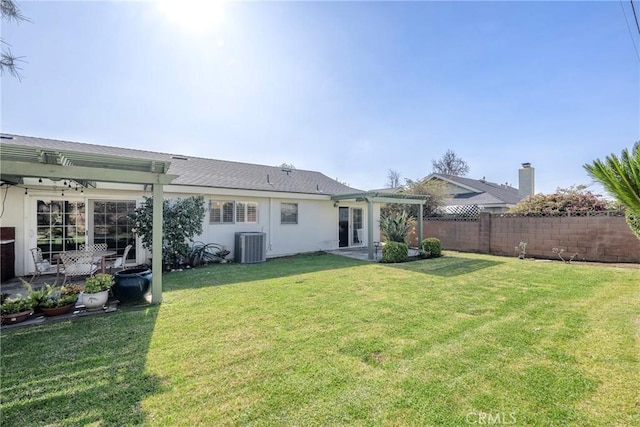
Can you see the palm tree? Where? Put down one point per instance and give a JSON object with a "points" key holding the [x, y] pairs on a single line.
{"points": [[621, 178]]}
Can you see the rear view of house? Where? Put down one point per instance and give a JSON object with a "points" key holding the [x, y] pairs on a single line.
{"points": [[292, 209]]}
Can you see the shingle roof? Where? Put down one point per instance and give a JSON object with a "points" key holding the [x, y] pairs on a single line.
{"points": [[390, 190], [481, 192], [203, 172]]}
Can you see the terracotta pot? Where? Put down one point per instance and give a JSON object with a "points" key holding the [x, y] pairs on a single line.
{"points": [[10, 319], [56, 311]]}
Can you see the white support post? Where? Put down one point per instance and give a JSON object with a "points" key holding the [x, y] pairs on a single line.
{"points": [[370, 227], [156, 285], [420, 224]]}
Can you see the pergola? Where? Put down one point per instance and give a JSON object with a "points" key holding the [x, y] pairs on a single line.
{"points": [[372, 197], [18, 162]]}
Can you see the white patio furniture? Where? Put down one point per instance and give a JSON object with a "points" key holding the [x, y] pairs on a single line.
{"points": [[42, 266], [120, 262], [77, 263]]}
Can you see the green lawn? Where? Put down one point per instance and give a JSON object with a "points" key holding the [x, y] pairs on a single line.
{"points": [[324, 340]]}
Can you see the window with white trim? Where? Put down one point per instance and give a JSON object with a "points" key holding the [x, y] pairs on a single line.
{"points": [[221, 212], [231, 212], [247, 212], [288, 213]]}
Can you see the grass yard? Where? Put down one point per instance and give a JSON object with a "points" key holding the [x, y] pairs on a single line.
{"points": [[325, 340]]}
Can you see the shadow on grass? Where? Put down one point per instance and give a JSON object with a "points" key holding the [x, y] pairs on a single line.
{"points": [[227, 274], [447, 266], [89, 371]]}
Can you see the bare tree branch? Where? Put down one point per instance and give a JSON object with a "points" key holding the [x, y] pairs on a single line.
{"points": [[393, 179], [450, 164]]}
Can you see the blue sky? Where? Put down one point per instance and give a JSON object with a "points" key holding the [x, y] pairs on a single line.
{"points": [[351, 89]]}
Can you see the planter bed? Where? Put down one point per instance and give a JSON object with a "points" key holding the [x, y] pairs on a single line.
{"points": [[78, 311]]}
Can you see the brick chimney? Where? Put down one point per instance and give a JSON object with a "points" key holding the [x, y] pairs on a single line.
{"points": [[526, 180]]}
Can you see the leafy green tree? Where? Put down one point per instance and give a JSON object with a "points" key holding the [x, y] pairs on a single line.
{"points": [[434, 190], [182, 221], [620, 176]]}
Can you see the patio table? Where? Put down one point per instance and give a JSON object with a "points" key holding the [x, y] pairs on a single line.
{"points": [[101, 256]]}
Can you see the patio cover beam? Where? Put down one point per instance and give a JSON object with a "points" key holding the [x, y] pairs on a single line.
{"points": [[372, 197], [18, 162], [57, 172]]}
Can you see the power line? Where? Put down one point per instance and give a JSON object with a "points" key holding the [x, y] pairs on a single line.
{"points": [[629, 28], [635, 16]]}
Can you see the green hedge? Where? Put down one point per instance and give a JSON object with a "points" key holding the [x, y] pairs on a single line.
{"points": [[432, 247], [395, 252]]}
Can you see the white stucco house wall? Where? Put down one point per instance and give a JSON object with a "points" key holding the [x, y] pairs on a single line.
{"points": [[298, 210]]}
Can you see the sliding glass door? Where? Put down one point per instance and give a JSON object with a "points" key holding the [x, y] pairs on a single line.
{"points": [[61, 226], [111, 224]]}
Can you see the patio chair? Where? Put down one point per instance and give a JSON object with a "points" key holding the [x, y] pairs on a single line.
{"points": [[77, 263], [93, 247], [42, 266], [120, 262]]}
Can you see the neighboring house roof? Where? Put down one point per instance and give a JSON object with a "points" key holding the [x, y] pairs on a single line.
{"points": [[202, 172], [479, 191], [390, 190]]}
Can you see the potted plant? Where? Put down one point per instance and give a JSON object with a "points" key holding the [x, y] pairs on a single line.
{"points": [[17, 309], [96, 291], [60, 300], [39, 296]]}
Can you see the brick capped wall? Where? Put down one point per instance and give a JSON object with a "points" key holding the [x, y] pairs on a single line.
{"points": [[594, 238]]}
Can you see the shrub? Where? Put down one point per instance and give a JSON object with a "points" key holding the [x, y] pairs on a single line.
{"points": [[395, 252], [432, 247], [572, 199], [182, 221]]}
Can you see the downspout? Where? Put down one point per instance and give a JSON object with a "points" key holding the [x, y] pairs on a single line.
{"points": [[269, 248]]}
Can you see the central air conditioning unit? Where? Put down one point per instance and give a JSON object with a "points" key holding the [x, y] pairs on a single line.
{"points": [[251, 248]]}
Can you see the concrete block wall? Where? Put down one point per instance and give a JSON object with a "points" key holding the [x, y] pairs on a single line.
{"points": [[593, 238], [454, 235]]}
